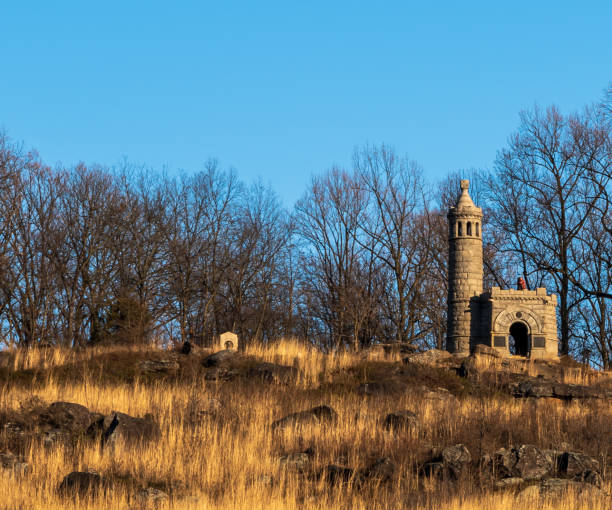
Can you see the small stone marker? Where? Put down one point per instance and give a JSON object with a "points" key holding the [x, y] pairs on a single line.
{"points": [[228, 341]]}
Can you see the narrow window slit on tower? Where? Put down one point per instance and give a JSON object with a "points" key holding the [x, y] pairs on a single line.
{"points": [[477, 229], [468, 228], [459, 229]]}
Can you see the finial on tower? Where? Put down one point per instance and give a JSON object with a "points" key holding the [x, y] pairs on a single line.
{"points": [[465, 184]]}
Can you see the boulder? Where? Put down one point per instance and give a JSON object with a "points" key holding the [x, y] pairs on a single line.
{"points": [[532, 388], [509, 483], [399, 420], [457, 455], [531, 463], [543, 388], [456, 460], [431, 357], [66, 417], [315, 415], [449, 464], [81, 483], [159, 366], [577, 465], [527, 462], [130, 429], [221, 358]]}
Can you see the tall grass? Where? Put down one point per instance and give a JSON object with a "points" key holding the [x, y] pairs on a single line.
{"points": [[218, 450]]}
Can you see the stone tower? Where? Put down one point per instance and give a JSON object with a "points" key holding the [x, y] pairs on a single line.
{"points": [[464, 272]]}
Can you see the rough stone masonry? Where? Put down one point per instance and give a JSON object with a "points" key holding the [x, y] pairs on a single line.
{"points": [[514, 322]]}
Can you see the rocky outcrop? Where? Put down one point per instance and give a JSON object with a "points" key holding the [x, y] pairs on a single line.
{"points": [[220, 359], [130, 429], [435, 357], [160, 366], [544, 388], [451, 464], [66, 417], [526, 462], [401, 420]]}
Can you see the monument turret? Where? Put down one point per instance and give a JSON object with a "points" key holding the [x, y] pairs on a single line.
{"points": [[464, 271]]}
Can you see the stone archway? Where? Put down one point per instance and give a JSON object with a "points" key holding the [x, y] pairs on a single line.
{"points": [[518, 343]]}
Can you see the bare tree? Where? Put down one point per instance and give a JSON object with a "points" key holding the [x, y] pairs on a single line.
{"points": [[546, 176], [395, 234], [328, 219]]}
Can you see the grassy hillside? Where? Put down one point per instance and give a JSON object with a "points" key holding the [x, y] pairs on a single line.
{"points": [[218, 448]]}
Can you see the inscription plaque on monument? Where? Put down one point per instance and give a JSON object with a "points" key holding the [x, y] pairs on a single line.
{"points": [[499, 341]]}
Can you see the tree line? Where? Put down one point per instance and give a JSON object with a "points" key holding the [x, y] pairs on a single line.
{"points": [[92, 254]]}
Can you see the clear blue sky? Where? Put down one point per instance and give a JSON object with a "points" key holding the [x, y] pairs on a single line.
{"points": [[282, 90]]}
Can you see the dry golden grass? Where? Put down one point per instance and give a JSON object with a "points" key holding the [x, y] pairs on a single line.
{"points": [[226, 458]]}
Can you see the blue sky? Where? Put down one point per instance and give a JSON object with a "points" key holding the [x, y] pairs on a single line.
{"points": [[284, 90]]}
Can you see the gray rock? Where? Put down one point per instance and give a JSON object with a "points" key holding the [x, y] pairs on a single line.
{"points": [[531, 463], [221, 358], [315, 415], [159, 366], [527, 462], [457, 455], [66, 417], [129, 428], [533, 389], [399, 420], [509, 483], [431, 357], [573, 464]]}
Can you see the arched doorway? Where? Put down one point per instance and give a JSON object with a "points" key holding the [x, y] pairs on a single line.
{"points": [[519, 339]]}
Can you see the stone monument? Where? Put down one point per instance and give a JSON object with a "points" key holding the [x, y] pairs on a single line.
{"points": [[229, 341], [514, 322]]}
